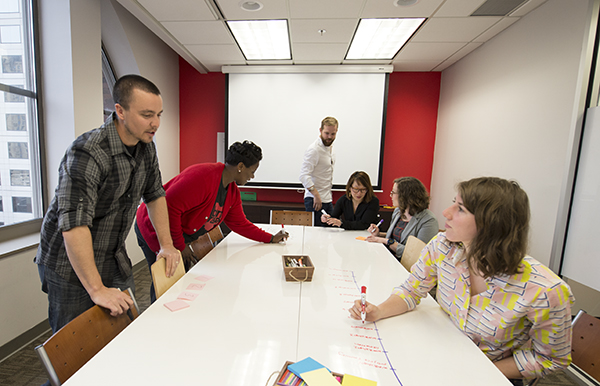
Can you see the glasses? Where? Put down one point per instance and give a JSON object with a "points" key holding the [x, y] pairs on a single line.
{"points": [[355, 190], [393, 193]]}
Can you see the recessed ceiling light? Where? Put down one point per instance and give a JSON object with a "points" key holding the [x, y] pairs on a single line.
{"points": [[381, 38], [262, 39], [251, 6], [405, 3]]}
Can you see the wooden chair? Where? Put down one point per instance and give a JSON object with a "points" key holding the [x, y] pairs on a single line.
{"points": [[292, 217], [161, 282], [204, 244], [76, 343], [215, 235], [412, 251], [200, 248], [585, 345]]}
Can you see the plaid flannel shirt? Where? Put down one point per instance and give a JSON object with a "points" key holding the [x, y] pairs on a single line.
{"points": [[100, 186]]}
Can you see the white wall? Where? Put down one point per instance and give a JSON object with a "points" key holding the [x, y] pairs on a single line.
{"points": [[507, 110], [22, 301], [71, 75], [72, 80]]}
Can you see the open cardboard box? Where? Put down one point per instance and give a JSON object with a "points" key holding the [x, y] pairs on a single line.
{"points": [[304, 273]]}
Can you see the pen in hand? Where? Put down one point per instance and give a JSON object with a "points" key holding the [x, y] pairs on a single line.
{"points": [[285, 234], [377, 226], [363, 302]]}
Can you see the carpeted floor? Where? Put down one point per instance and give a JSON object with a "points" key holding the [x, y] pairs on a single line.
{"points": [[23, 368]]}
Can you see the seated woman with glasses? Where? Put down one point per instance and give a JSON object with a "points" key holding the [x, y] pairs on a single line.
{"points": [[410, 218], [357, 208]]}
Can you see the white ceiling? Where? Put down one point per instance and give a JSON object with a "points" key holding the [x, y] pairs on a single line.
{"points": [[200, 36]]}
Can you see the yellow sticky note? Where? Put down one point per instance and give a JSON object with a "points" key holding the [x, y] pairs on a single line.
{"points": [[319, 377], [351, 380], [361, 238]]}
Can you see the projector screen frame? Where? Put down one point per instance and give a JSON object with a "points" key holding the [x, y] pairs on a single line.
{"points": [[376, 183]]}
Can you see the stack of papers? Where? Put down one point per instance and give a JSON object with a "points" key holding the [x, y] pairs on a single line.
{"points": [[312, 373]]}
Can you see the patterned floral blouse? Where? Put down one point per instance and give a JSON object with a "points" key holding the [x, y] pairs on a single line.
{"points": [[527, 315]]}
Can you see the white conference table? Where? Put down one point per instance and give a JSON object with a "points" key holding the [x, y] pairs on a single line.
{"points": [[248, 321]]}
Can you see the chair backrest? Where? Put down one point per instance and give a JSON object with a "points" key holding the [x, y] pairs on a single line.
{"points": [[585, 344], [215, 235], [201, 246], [159, 277], [412, 251], [76, 343], [292, 217]]}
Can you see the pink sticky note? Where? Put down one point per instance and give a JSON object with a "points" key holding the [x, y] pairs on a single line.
{"points": [[188, 295], [176, 305], [203, 277], [196, 286]]}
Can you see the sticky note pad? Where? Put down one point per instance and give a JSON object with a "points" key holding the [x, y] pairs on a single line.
{"points": [[203, 277], [361, 238], [186, 295], [351, 380], [176, 305], [319, 377], [196, 286], [306, 364]]}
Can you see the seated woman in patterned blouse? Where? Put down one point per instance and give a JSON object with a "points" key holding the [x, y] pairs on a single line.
{"points": [[515, 309]]}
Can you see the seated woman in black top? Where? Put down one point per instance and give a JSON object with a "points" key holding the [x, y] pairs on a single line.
{"points": [[358, 207]]}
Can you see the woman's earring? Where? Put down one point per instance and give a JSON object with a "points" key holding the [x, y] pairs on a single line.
{"points": [[239, 171]]}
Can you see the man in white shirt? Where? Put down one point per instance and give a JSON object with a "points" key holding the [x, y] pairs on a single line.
{"points": [[316, 173]]}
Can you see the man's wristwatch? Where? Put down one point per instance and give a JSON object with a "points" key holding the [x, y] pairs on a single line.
{"points": [[311, 188], [390, 242]]}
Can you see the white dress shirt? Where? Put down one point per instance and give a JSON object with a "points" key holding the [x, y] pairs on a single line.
{"points": [[317, 170]]}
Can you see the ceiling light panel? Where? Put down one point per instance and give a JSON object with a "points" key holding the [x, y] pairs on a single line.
{"points": [[381, 38], [262, 39]]}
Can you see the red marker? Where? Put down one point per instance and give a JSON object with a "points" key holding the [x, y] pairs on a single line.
{"points": [[363, 301], [285, 234]]}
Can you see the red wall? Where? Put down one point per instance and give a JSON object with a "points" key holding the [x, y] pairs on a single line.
{"points": [[409, 138]]}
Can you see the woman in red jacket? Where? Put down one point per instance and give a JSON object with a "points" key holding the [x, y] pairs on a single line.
{"points": [[203, 196]]}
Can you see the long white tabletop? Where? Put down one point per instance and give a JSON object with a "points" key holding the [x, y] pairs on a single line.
{"points": [[247, 321]]}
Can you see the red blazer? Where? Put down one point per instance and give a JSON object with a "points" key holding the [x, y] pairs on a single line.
{"points": [[190, 198]]}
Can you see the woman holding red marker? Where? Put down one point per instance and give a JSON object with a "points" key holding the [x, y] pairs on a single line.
{"points": [[516, 310]]}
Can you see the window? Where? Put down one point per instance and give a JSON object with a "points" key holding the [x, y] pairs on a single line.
{"points": [[108, 82], [16, 122], [21, 204], [19, 178], [19, 133]]}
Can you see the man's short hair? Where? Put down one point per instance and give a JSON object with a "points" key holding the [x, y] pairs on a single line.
{"points": [[123, 90], [329, 121]]}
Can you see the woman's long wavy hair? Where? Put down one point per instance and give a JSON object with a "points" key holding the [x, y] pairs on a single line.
{"points": [[412, 195], [501, 210]]}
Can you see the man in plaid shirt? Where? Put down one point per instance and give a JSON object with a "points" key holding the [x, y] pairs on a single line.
{"points": [[105, 172]]}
